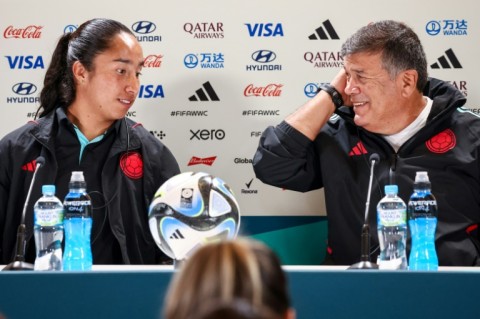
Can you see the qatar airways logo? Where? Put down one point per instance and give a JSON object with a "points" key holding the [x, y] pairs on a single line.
{"points": [[29, 32], [202, 161], [153, 61], [204, 30], [270, 90], [324, 59]]}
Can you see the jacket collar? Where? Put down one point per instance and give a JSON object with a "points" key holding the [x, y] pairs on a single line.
{"points": [[45, 129]]}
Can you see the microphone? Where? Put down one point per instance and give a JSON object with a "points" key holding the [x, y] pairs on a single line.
{"points": [[364, 262], [18, 262]]}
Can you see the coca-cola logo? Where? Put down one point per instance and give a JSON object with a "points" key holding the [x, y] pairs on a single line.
{"points": [[153, 61], [205, 161], [30, 32], [268, 90]]}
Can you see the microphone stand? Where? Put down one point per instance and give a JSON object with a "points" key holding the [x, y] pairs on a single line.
{"points": [[19, 260], [365, 262]]}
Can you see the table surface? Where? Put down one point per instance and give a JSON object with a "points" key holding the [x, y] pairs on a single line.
{"points": [[317, 292]]}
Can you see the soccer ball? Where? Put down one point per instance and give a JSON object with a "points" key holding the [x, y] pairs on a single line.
{"points": [[191, 209]]}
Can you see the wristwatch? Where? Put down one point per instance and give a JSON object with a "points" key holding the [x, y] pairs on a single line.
{"points": [[334, 94]]}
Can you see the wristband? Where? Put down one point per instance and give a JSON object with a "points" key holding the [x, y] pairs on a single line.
{"points": [[334, 94]]}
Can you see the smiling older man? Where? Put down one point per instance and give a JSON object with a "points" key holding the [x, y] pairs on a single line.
{"points": [[381, 102]]}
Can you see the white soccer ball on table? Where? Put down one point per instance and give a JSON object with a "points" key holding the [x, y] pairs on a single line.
{"points": [[191, 209]]}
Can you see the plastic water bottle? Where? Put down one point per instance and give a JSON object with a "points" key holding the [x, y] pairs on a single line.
{"points": [[78, 225], [48, 230], [392, 230], [422, 221]]}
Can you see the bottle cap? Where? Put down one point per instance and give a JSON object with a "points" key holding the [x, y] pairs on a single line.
{"points": [[48, 189], [391, 189], [421, 177], [77, 177]]}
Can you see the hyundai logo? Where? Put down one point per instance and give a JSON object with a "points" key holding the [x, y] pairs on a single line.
{"points": [[144, 27], [24, 88], [263, 56]]}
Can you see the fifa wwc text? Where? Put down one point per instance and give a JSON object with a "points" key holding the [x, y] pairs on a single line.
{"points": [[261, 112], [189, 113]]}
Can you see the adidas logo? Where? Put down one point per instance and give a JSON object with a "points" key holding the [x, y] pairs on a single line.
{"points": [[177, 234], [447, 61], [205, 93], [322, 35], [30, 166], [358, 149]]}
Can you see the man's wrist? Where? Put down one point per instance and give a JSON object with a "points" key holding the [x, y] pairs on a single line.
{"points": [[334, 94]]}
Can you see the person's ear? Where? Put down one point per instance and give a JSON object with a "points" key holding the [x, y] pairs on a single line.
{"points": [[79, 72], [408, 82]]}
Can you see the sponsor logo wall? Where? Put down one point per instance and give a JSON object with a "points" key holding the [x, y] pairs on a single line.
{"points": [[217, 74]]}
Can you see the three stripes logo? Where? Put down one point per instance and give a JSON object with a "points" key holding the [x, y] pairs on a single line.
{"points": [[358, 150], [325, 30], [30, 166], [204, 94], [447, 61], [177, 235]]}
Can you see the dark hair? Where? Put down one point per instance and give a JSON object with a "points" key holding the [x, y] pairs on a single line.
{"points": [[90, 39], [234, 309], [400, 47], [226, 271]]}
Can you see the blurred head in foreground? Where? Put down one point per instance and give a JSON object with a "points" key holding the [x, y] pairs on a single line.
{"points": [[241, 277]]}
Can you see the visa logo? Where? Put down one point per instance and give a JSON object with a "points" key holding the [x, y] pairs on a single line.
{"points": [[25, 62], [264, 29], [150, 91]]}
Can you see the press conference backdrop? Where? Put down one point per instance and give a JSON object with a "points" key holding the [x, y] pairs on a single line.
{"points": [[217, 73]]}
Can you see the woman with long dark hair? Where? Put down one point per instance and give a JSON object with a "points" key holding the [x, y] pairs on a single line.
{"points": [[91, 83]]}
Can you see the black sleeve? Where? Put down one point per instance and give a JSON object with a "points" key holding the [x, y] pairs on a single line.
{"points": [[286, 158], [4, 191]]}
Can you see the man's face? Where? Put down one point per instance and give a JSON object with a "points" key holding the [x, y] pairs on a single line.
{"points": [[376, 98]]}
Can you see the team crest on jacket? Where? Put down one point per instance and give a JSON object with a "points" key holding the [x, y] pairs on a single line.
{"points": [[131, 164], [442, 142]]}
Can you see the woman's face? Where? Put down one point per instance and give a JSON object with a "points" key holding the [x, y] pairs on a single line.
{"points": [[111, 86]]}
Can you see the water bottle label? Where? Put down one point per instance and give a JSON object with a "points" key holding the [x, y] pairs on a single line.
{"points": [[392, 217], [48, 217], [423, 204], [422, 208], [77, 208]]}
